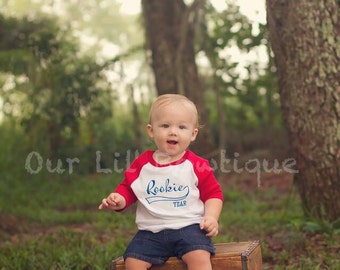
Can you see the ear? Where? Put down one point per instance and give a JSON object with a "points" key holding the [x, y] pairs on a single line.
{"points": [[149, 129], [194, 134]]}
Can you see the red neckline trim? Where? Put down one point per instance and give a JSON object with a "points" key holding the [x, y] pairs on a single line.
{"points": [[176, 162]]}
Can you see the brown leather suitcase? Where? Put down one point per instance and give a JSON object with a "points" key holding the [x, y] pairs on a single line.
{"points": [[229, 256]]}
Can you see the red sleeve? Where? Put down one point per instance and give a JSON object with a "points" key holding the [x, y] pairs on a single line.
{"points": [[207, 183], [130, 175]]}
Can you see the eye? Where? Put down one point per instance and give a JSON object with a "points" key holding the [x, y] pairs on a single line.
{"points": [[164, 125], [182, 127]]}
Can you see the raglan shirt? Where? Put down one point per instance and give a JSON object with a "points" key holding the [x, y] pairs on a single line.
{"points": [[169, 196]]}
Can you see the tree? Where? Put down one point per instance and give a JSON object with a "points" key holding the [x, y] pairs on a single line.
{"points": [[170, 35], [242, 102], [59, 86], [304, 36]]}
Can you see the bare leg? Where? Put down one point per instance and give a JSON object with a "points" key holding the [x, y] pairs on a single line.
{"points": [[197, 260], [135, 264]]}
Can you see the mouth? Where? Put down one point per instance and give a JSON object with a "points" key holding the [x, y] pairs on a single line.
{"points": [[172, 142]]}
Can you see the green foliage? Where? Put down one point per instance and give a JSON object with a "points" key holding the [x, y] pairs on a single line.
{"points": [[314, 226], [65, 99], [67, 231], [102, 19], [25, 41], [61, 250], [11, 152], [59, 88], [251, 93], [62, 97]]}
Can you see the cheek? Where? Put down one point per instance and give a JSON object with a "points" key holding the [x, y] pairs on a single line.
{"points": [[158, 134]]}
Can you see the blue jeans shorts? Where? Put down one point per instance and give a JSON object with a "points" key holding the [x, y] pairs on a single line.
{"points": [[156, 248]]}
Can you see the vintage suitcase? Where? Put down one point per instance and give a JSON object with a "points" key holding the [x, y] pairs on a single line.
{"points": [[229, 256]]}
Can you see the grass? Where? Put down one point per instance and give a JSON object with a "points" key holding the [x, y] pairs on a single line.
{"points": [[52, 222]]}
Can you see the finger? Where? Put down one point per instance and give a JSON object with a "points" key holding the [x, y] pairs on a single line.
{"points": [[111, 202], [112, 199], [212, 233], [202, 223], [208, 226], [104, 204]]}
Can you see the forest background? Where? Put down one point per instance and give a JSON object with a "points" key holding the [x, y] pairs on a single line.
{"points": [[76, 85]]}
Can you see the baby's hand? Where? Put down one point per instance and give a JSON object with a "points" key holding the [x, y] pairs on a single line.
{"points": [[210, 225], [114, 201]]}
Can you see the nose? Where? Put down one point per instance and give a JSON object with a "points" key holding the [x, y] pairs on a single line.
{"points": [[173, 130]]}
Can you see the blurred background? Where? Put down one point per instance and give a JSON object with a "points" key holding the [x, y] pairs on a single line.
{"points": [[77, 79]]}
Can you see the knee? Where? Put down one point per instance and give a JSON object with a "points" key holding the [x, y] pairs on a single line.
{"points": [[135, 264], [197, 259]]}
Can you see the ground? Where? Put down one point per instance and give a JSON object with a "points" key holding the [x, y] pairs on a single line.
{"points": [[280, 246]]}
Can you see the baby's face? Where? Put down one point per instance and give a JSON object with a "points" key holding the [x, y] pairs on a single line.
{"points": [[173, 128]]}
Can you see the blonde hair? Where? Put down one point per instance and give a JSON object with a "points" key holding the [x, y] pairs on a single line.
{"points": [[167, 99]]}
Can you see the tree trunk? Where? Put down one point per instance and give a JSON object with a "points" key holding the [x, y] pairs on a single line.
{"points": [[55, 138], [304, 36], [137, 122], [169, 26]]}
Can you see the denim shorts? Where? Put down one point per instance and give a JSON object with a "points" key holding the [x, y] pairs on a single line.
{"points": [[156, 248]]}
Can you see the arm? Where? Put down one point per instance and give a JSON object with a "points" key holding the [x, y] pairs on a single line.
{"points": [[123, 196], [212, 196], [212, 211]]}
